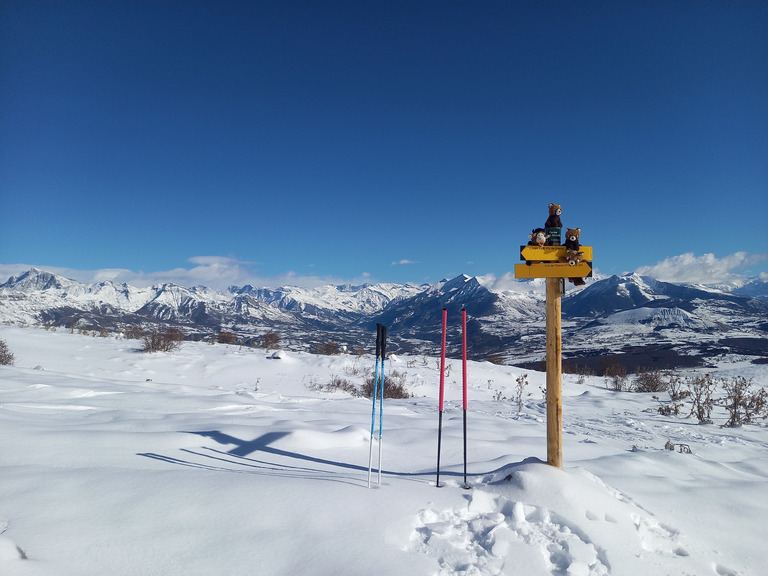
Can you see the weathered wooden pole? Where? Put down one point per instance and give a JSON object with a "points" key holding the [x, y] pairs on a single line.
{"points": [[554, 375]]}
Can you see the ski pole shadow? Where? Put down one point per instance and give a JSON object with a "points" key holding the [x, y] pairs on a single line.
{"points": [[243, 455]]}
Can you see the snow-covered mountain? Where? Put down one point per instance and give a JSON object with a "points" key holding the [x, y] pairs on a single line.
{"points": [[607, 318]]}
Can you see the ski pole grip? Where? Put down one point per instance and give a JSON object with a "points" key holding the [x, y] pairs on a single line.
{"points": [[383, 342], [378, 340]]}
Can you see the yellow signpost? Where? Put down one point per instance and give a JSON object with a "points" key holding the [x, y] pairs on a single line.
{"points": [[551, 253], [553, 270], [548, 262]]}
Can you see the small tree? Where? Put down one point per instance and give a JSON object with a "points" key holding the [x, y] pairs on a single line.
{"points": [[330, 348], [270, 340], [226, 337], [6, 356], [166, 341]]}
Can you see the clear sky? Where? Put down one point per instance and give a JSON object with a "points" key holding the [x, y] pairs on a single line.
{"points": [[277, 142]]}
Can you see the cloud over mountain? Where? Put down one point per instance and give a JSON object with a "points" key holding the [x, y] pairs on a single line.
{"points": [[704, 269]]}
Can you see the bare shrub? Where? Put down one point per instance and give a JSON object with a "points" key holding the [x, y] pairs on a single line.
{"points": [[165, 341], [618, 382], [615, 375], [650, 381], [342, 385], [700, 390], [742, 403], [612, 367], [270, 340], [675, 388], [522, 382], [668, 408], [226, 337], [330, 348], [6, 356], [394, 385]]}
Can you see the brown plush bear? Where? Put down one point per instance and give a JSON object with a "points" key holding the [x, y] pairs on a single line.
{"points": [[572, 236], [554, 217], [573, 253]]}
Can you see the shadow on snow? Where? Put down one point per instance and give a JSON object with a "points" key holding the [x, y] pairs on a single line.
{"points": [[240, 455]]}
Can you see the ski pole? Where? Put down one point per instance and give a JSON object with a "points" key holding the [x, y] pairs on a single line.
{"points": [[373, 410], [381, 389], [442, 395], [464, 379]]}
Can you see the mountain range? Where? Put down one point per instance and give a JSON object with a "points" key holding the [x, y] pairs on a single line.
{"points": [[637, 320]]}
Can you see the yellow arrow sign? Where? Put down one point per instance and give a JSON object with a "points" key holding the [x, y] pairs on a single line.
{"points": [[553, 270], [550, 253]]}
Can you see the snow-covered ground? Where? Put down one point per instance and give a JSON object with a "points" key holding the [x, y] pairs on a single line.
{"points": [[216, 460]]}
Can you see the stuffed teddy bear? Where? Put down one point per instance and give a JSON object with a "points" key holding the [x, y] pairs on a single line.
{"points": [[554, 217], [537, 237], [572, 236], [553, 225], [573, 254]]}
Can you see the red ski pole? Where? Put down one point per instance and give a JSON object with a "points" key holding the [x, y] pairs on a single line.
{"points": [[464, 379]]}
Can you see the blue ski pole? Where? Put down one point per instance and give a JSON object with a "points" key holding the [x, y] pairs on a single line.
{"points": [[373, 410], [381, 397]]}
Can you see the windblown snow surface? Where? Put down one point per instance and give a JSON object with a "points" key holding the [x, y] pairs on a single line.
{"points": [[218, 460]]}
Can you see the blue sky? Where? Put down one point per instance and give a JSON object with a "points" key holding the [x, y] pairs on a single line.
{"points": [[277, 142]]}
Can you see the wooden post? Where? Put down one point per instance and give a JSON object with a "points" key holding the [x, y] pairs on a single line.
{"points": [[554, 375]]}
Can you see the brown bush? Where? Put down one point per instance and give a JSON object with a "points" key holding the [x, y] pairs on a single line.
{"points": [[270, 340], [226, 337], [394, 386], [165, 341], [330, 348]]}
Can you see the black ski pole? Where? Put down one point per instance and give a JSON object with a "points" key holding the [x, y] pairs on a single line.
{"points": [[442, 395], [381, 398]]}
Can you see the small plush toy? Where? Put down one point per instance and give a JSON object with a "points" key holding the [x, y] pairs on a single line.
{"points": [[554, 217], [573, 254], [572, 243], [537, 237]]}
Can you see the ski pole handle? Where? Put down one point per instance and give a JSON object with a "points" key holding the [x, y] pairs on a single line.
{"points": [[464, 353], [383, 341], [442, 359]]}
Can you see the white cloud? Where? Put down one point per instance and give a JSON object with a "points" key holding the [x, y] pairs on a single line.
{"points": [[704, 269], [218, 272], [404, 261], [508, 283]]}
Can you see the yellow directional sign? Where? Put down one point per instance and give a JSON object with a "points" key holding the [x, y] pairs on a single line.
{"points": [[550, 253], [553, 270]]}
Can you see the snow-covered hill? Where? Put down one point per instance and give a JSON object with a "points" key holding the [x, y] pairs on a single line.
{"points": [[220, 460]]}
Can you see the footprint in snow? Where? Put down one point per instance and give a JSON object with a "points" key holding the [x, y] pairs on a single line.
{"points": [[493, 535]]}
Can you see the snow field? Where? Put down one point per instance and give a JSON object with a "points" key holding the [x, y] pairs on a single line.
{"points": [[219, 460]]}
